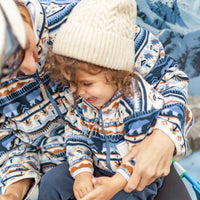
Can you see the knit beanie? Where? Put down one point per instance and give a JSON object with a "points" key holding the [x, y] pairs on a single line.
{"points": [[100, 32]]}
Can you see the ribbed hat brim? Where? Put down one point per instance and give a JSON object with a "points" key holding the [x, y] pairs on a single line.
{"points": [[95, 46]]}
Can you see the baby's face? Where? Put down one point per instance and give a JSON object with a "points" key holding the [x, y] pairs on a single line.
{"points": [[94, 88]]}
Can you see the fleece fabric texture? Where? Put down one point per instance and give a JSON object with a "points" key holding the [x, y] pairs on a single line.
{"points": [[32, 109]]}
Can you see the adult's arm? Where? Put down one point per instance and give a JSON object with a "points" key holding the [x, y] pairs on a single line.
{"points": [[19, 164], [163, 74], [153, 155], [17, 190], [18, 158]]}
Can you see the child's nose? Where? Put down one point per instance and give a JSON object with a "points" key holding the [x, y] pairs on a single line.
{"points": [[80, 92]]}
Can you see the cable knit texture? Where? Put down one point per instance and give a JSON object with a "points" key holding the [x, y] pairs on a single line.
{"points": [[103, 36], [32, 137]]}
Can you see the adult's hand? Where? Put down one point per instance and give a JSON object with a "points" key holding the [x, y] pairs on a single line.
{"points": [[17, 190], [106, 187], [153, 159]]}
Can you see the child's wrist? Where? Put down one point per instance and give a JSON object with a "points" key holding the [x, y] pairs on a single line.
{"points": [[119, 181]]}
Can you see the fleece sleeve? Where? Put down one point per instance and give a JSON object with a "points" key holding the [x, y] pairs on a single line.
{"points": [[163, 73], [18, 163], [78, 152], [126, 169], [176, 118]]}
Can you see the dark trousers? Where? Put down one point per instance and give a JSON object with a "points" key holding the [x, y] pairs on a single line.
{"points": [[173, 188], [57, 184]]}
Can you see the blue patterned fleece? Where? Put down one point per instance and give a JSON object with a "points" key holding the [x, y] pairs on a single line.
{"points": [[100, 133], [32, 137]]}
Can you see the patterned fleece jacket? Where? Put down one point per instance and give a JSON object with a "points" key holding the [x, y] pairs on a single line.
{"points": [[32, 137], [102, 137], [32, 131]]}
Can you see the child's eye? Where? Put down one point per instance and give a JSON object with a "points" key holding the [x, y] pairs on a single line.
{"points": [[87, 84]]}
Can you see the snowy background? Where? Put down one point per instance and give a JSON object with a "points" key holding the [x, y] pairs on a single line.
{"points": [[177, 25]]}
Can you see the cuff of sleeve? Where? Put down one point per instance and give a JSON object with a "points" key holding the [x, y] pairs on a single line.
{"points": [[126, 169], [174, 134], [123, 173], [31, 189], [85, 169]]}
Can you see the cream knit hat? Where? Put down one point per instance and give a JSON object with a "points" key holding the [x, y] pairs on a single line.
{"points": [[100, 32]]}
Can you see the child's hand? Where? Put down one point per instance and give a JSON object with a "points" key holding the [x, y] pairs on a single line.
{"points": [[83, 184], [106, 187]]}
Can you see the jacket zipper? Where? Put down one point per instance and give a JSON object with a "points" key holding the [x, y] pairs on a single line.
{"points": [[107, 142]]}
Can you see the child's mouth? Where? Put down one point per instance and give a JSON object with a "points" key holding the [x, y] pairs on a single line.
{"points": [[92, 99]]}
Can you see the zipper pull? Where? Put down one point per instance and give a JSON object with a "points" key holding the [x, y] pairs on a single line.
{"points": [[43, 90], [90, 135]]}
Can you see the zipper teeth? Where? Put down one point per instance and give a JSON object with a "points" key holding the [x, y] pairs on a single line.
{"points": [[107, 143]]}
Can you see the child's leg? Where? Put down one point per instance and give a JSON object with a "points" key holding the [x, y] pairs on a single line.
{"points": [[57, 184]]}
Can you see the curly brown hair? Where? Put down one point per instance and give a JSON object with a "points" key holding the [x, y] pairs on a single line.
{"points": [[63, 69]]}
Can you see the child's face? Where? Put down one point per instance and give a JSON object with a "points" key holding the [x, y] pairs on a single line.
{"points": [[94, 88]]}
